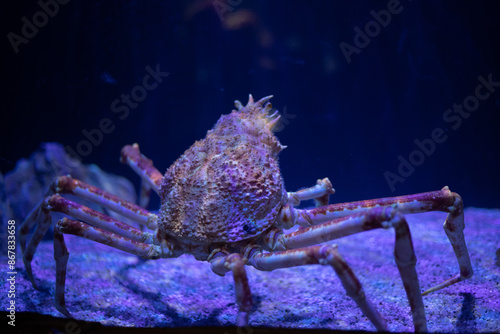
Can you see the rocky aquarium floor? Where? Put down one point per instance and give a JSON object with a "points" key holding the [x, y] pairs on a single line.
{"points": [[114, 288]]}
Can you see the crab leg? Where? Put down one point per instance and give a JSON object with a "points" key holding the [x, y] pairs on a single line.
{"points": [[234, 263], [68, 185], [61, 254], [442, 200], [326, 255], [30, 221], [59, 204], [380, 217], [143, 166], [320, 193]]}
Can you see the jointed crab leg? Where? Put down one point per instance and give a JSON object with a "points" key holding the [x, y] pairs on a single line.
{"points": [[234, 263], [326, 255], [380, 217], [61, 256], [59, 204], [142, 166], [442, 200], [68, 185], [320, 193], [150, 176], [145, 250]]}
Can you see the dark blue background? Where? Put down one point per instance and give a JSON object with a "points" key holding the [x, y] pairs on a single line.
{"points": [[352, 120]]}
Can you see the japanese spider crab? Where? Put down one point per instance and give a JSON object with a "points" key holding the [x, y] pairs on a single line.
{"points": [[224, 201]]}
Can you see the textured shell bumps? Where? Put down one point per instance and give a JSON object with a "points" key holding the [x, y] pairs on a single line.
{"points": [[226, 187]]}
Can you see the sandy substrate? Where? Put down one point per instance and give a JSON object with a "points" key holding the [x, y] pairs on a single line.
{"points": [[114, 288]]}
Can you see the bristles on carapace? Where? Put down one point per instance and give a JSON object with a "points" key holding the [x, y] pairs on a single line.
{"points": [[238, 105], [263, 100], [272, 123], [268, 107]]}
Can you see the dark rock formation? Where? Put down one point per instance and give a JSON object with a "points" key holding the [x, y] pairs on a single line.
{"points": [[25, 186]]}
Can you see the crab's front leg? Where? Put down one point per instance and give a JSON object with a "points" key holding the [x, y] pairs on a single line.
{"points": [[325, 255], [382, 217], [320, 193], [235, 263]]}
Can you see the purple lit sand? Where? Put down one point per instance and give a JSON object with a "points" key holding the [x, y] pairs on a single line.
{"points": [[114, 288]]}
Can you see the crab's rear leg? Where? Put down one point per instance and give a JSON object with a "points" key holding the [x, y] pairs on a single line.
{"points": [[144, 167], [442, 200], [105, 230], [68, 185], [56, 203], [145, 250]]}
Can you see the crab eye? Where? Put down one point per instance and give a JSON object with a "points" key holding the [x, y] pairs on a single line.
{"points": [[250, 227]]}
